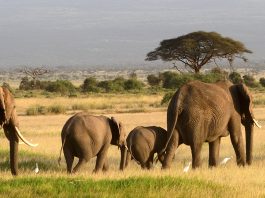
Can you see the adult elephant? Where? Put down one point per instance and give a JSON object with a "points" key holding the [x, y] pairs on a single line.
{"points": [[85, 136], [204, 112], [10, 124], [142, 144]]}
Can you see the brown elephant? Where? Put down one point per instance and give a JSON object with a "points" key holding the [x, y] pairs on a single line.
{"points": [[204, 112], [10, 124], [143, 143], [85, 136]]}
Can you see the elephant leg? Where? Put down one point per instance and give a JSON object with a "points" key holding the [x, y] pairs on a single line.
{"points": [[237, 142], [149, 163], [80, 163], [128, 158], [143, 166], [106, 165], [170, 150], [101, 158], [214, 148], [196, 154], [69, 158]]}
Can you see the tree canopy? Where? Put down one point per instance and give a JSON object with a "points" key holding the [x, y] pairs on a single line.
{"points": [[196, 49]]}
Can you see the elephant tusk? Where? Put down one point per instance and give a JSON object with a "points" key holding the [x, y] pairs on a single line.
{"points": [[256, 123], [23, 139]]}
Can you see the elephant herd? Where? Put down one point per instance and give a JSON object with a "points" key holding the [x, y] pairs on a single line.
{"points": [[198, 112]]}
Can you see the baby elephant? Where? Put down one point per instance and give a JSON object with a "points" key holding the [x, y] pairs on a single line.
{"points": [[86, 136], [143, 143]]}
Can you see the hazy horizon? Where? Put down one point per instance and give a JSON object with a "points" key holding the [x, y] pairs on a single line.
{"points": [[118, 32]]}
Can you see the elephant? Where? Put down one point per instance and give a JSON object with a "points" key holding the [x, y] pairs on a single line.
{"points": [[202, 112], [142, 144], [85, 136], [10, 124]]}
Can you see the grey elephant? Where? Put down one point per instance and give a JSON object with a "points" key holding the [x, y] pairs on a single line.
{"points": [[9, 122], [143, 143], [204, 112], [85, 136]]}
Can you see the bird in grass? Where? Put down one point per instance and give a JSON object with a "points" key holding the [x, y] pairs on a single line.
{"points": [[36, 170], [225, 160], [187, 168]]}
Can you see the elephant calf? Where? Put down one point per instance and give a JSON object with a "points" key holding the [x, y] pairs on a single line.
{"points": [[143, 143], [85, 136]]}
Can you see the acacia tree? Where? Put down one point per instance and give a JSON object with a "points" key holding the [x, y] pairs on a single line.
{"points": [[36, 72], [196, 49]]}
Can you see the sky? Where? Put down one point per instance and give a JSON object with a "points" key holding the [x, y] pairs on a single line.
{"points": [[118, 32]]}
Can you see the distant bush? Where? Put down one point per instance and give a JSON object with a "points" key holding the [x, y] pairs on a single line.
{"points": [[90, 85], [167, 97], [235, 78], [64, 87], [250, 81], [42, 110], [173, 80], [153, 80], [262, 81], [116, 85], [119, 84], [36, 110], [27, 84], [133, 84], [57, 109]]}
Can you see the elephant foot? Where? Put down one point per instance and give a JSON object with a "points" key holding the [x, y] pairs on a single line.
{"points": [[240, 163], [164, 167]]}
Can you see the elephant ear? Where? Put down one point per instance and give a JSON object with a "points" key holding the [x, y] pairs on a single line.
{"points": [[9, 104], [245, 102], [115, 131], [119, 134]]}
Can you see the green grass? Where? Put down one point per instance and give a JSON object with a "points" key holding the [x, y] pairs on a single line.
{"points": [[130, 187]]}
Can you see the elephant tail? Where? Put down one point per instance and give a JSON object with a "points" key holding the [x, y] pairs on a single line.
{"points": [[59, 159], [173, 112]]}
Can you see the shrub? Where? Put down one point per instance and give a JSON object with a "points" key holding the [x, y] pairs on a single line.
{"points": [[90, 85], [36, 110], [167, 97], [133, 84], [171, 80], [57, 109], [235, 78], [250, 81], [118, 84], [262, 81], [153, 80], [42, 110], [64, 87], [27, 84]]}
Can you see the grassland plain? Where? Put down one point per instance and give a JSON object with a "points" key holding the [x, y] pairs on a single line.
{"points": [[52, 180]]}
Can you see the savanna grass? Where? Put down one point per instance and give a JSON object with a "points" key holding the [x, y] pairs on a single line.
{"points": [[130, 187]]}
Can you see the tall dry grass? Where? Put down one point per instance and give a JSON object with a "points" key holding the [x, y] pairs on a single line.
{"points": [[109, 103]]}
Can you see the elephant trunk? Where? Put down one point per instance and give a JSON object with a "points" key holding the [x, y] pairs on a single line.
{"points": [[13, 142], [123, 157], [249, 142]]}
